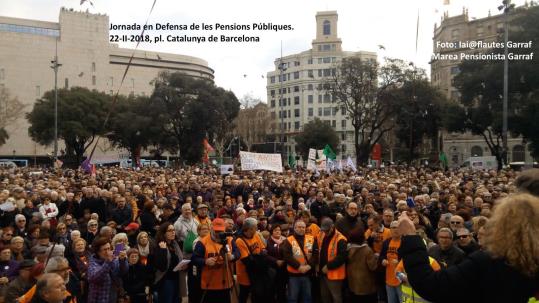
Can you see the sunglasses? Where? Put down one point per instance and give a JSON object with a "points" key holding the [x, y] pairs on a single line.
{"points": [[463, 237], [456, 222]]}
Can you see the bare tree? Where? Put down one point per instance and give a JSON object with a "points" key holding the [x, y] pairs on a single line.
{"points": [[365, 90], [11, 109]]}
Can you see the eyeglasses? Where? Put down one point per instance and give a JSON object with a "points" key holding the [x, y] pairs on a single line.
{"points": [[456, 222], [463, 236]]}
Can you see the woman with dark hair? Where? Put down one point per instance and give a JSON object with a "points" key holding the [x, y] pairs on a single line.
{"points": [[361, 268], [104, 272], [138, 278], [274, 253], [148, 221], [165, 257]]}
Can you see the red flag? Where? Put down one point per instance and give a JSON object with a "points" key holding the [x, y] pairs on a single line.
{"points": [[207, 146]]}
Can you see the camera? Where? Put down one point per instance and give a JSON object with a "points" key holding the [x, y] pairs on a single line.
{"points": [[223, 236]]}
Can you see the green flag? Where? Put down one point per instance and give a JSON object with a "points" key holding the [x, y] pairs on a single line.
{"points": [[329, 153], [443, 159], [291, 160]]}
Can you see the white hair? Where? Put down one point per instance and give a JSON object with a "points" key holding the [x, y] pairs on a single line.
{"points": [[53, 263]]}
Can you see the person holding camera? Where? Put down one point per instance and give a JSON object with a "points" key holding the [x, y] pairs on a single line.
{"points": [[104, 272], [214, 254]]}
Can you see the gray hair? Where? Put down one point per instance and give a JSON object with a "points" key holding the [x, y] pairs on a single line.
{"points": [[54, 263], [19, 216], [447, 230], [74, 232], [42, 285], [104, 229], [58, 251], [249, 223]]}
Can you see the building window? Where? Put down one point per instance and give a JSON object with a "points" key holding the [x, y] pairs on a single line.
{"points": [[476, 151], [455, 70], [310, 61], [319, 73], [519, 155], [296, 100], [38, 91], [327, 111], [272, 79], [343, 123], [334, 123], [272, 103], [310, 99], [296, 113], [320, 112], [93, 80], [343, 110], [296, 63], [288, 127], [272, 92], [455, 33], [343, 136], [310, 87], [296, 125], [327, 28], [93, 66], [296, 75], [327, 72], [310, 111], [296, 89], [288, 88], [343, 148], [480, 30], [289, 115], [327, 98], [326, 48], [327, 59], [310, 73]]}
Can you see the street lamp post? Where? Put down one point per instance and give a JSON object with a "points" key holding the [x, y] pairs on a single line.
{"points": [[506, 7], [282, 68], [55, 65]]}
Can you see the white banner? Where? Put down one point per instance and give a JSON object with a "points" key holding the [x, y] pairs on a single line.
{"points": [[227, 169], [259, 161], [311, 165]]}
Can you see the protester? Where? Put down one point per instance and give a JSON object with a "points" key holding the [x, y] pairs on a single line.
{"points": [[215, 254], [361, 268], [165, 257], [507, 271], [104, 270], [300, 254], [92, 207]]}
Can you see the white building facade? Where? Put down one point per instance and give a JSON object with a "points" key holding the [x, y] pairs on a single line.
{"points": [[303, 99]]}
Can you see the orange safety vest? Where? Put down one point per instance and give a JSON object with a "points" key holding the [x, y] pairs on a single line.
{"points": [[215, 277], [247, 247], [297, 252], [338, 273], [206, 221], [312, 230]]}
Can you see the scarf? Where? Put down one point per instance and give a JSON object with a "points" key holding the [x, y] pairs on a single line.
{"points": [[278, 241]]}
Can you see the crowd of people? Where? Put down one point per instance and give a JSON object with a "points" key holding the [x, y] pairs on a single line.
{"points": [[397, 234]]}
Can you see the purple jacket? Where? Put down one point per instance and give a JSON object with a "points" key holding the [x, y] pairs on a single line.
{"points": [[103, 279], [9, 269]]}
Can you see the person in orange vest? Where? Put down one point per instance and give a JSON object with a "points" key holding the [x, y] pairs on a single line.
{"points": [[300, 252], [249, 243], [389, 258], [202, 215], [209, 254], [331, 262]]}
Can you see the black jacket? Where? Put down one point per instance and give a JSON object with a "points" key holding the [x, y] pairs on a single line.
{"points": [[347, 223], [478, 278], [136, 279], [446, 258]]}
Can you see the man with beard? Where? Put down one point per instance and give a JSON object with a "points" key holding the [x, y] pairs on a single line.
{"points": [[202, 215], [351, 220]]}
